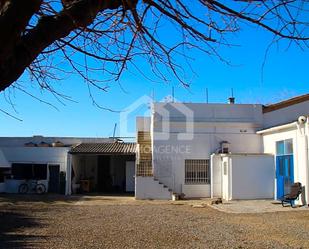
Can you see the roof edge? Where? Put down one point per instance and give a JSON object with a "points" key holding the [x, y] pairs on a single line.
{"points": [[286, 103]]}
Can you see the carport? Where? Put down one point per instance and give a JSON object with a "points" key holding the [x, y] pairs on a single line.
{"points": [[103, 167]]}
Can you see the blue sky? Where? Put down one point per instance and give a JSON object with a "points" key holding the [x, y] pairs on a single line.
{"points": [[285, 75]]}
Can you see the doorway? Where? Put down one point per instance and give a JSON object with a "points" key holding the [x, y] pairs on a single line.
{"points": [[105, 183], [54, 178], [225, 179], [284, 174], [130, 174], [284, 167]]}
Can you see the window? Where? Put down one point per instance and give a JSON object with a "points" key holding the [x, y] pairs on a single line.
{"points": [[280, 148], [197, 171], [284, 147], [22, 171], [288, 147], [225, 168], [4, 172]]}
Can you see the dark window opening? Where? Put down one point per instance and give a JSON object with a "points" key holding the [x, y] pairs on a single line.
{"points": [[21, 171], [4, 173]]}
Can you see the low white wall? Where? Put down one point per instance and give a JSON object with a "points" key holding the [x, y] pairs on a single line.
{"points": [[192, 191], [11, 186], [148, 188], [252, 177]]}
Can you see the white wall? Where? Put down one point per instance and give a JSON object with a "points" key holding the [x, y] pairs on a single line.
{"points": [[148, 188], [216, 176], [143, 123], [176, 138], [286, 115], [169, 156], [201, 112], [252, 176], [198, 190], [39, 155], [52, 155]]}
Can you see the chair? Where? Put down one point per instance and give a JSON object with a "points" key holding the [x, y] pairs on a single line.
{"points": [[296, 190]]}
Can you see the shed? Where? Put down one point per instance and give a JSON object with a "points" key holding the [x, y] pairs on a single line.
{"points": [[247, 176], [103, 167]]}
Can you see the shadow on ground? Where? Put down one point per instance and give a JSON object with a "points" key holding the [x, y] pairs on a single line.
{"points": [[58, 199], [11, 230], [33, 198]]}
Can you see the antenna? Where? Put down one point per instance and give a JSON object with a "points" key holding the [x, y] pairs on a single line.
{"points": [[207, 95], [231, 100], [115, 126], [173, 94]]}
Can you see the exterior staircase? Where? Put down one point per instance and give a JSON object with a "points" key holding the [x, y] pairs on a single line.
{"points": [[147, 187], [150, 188], [144, 154]]}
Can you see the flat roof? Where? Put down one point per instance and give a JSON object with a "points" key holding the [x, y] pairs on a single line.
{"points": [[117, 148]]}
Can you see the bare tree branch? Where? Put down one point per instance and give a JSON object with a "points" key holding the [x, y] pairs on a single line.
{"points": [[49, 37]]}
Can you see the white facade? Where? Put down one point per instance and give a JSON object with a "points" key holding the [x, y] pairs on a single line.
{"points": [[299, 134], [191, 144], [15, 151], [188, 131], [177, 138], [247, 176]]}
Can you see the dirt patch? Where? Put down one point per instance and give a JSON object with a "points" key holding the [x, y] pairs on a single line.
{"points": [[125, 223]]}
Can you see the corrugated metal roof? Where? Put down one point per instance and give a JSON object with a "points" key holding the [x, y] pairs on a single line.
{"points": [[104, 148]]}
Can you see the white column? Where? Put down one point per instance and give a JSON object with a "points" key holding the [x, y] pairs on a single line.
{"points": [[211, 176], [307, 159], [68, 184]]}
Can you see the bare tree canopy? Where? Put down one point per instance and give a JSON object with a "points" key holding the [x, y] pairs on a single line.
{"points": [[40, 35]]}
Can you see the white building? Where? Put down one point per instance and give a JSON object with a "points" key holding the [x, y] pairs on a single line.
{"points": [[285, 135], [64, 164], [232, 151], [222, 150]]}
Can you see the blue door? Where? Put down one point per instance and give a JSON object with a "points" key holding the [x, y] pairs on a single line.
{"points": [[284, 174]]}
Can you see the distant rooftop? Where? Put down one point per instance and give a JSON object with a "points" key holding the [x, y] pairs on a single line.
{"points": [[105, 148], [286, 103]]}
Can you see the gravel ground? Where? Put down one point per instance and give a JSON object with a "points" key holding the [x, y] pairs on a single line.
{"points": [[125, 223]]}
